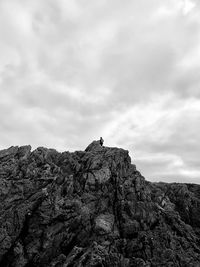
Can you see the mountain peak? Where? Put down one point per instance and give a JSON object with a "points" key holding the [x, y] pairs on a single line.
{"points": [[92, 208]]}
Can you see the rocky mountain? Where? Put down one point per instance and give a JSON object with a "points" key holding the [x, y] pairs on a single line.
{"points": [[92, 208]]}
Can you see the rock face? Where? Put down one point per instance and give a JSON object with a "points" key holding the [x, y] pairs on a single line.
{"points": [[92, 208]]}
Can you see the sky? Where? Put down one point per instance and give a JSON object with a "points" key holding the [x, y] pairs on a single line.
{"points": [[72, 71]]}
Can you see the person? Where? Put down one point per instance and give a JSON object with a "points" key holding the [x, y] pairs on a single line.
{"points": [[101, 141]]}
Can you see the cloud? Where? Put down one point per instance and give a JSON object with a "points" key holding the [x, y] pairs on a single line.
{"points": [[162, 137], [71, 71]]}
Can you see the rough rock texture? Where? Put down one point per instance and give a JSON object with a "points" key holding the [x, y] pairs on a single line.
{"points": [[92, 208]]}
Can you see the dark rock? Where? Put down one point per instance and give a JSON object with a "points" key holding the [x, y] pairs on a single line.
{"points": [[95, 145], [92, 208]]}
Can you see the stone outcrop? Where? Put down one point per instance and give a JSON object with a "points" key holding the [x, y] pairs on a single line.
{"points": [[92, 208]]}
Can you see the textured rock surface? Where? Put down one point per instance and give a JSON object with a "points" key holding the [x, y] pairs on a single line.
{"points": [[92, 208]]}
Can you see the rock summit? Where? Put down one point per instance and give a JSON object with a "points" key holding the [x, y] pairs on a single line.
{"points": [[92, 208]]}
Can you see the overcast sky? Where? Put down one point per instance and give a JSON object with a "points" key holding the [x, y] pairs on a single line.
{"points": [[72, 71]]}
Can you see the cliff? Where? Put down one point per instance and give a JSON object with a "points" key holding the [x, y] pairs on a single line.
{"points": [[92, 208]]}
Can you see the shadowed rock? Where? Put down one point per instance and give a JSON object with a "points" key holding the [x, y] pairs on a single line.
{"points": [[92, 208]]}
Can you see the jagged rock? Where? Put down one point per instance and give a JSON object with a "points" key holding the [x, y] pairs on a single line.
{"points": [[92, 208], [95, 145]]}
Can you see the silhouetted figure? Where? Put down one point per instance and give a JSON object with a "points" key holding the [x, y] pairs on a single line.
{"points": [[101, 141]]}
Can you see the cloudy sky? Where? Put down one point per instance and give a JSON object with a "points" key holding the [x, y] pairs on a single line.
{"points": [[72, 71]]}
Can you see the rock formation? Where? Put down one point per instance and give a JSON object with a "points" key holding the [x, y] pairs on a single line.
{"points": [[92, 208]]}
